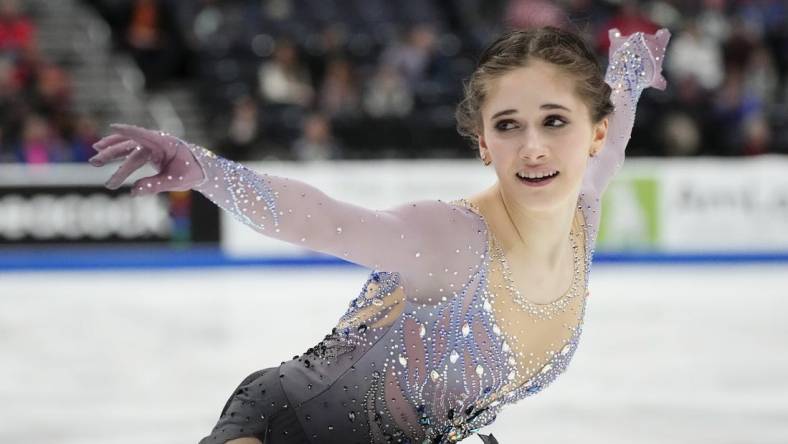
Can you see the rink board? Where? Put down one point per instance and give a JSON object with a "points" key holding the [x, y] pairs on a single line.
{"points": [[655, 210]]}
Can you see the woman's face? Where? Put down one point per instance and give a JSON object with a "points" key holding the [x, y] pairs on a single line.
{"points": [[532, 122]]}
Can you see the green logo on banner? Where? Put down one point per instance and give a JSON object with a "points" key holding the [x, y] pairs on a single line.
{"points": [[629, 215]]}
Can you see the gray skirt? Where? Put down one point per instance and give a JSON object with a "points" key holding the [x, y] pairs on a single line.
{"points": [[260, 409]]}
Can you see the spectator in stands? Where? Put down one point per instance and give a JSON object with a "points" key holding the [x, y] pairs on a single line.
{"points": [[713, 22], [51, 96], [85, 134], [316, 141], [696, 55], [151, 35], [474, 20], [628, 19], [760, 75], [278, 9], [680, 135], [412, 57], [739, 46], [689, 106], [339, 96], [39, 142], [16, 30], [5, 154], [10, 92], [324, 47], [534, 13], [710, 113], [388, 94], [757, 135], [244, 132], [28, 63], [283, 79], [207, 23], [777, 41], [733, 107]]}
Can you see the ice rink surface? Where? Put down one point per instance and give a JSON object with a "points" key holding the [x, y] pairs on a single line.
{"points": [[669, 354]]}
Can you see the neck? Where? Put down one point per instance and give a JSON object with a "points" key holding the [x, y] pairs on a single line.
{"points": [[537, 235]]}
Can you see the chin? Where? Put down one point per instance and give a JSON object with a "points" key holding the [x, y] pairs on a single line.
{"points": [[547, 198]]}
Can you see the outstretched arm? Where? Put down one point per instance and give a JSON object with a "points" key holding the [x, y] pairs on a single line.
{"points": [[417, 238], [294, 211], [635, 63]]}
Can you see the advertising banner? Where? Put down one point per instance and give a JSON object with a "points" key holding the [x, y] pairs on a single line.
{"points": [[699, 205], [69, 206]]}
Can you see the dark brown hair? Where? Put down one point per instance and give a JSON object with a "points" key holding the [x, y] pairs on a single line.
{"points": [[565, 49]]}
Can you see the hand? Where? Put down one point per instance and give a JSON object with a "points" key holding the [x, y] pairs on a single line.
{"points": [[178, 170], [651, 47]]}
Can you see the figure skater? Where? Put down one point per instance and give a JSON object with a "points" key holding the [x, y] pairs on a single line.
{"points": [[472, 304]]}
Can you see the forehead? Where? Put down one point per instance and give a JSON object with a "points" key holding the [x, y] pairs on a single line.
{"points": [[526, 88]]}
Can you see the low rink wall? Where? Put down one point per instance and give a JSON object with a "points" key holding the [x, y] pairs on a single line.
{"points": [[697, 209]]}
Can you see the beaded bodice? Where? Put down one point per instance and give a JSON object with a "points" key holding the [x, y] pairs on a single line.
{"points": [[444, 369]]}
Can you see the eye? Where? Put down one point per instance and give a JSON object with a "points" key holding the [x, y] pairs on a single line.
{"points": [[502, 125], [554, 118]]}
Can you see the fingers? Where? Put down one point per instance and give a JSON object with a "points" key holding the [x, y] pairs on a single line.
{"points": [[663, 35], [144, 136], [108, 141], [135, 160], [616, 39], [614, 35], [113, 152], [654, 44], [657, 43]]}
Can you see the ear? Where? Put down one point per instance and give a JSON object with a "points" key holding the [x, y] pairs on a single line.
{"points": [[482, 146], [598, 138]]}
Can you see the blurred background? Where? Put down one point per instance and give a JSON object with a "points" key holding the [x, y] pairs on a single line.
{"points": [[131, 319]]}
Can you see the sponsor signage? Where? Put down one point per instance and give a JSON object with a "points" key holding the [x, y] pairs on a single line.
{"points": [[74, 214]]}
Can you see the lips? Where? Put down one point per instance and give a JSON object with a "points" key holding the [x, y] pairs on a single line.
{"points": [[538, 181]]}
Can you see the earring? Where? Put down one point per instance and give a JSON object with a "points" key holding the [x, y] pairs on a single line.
{"points": [[485, 160]]}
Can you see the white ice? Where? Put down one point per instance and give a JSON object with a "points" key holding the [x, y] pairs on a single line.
{"points": [[669, 354]]}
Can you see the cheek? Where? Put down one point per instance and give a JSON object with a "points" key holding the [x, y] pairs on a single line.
{"points": [[577, 156], [577, 165], [501, 146], [575, 160], [493, 139]]}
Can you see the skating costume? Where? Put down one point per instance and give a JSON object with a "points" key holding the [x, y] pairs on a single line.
{"points": [[439, 338]]}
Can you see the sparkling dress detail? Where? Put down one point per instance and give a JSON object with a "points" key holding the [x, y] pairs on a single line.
{"points": [[439, 338]]}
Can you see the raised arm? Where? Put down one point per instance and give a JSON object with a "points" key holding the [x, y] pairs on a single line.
{"points": [[635, 63], [414, 239]]}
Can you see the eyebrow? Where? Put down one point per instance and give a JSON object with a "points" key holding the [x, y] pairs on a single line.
{"points": [[544, 106]]}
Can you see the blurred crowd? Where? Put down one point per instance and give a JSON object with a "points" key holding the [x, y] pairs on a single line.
{"points": [[38, 122], [327, 79]]}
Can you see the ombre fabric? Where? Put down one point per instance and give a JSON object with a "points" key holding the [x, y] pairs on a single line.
{"points": [[433, 346], [258, 408]]}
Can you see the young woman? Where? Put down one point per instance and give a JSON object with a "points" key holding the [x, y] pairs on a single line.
{"points": [[472, 304]]}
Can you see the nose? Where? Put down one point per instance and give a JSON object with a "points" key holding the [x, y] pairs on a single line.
{"points": [[532, 149]]}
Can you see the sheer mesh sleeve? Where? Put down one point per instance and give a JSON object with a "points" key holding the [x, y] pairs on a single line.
{"points": [[630, 69], [432, 244]]}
